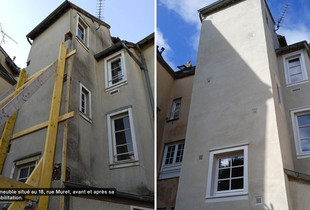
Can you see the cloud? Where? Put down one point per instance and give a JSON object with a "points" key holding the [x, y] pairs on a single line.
{"points": [[295, 34], [168, 53], [187, 9]]}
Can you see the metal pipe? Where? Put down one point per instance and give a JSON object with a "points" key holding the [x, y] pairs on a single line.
{"points": [[147, 79]]}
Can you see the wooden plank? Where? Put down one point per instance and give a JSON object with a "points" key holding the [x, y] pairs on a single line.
{"points": [[9, 126], [73, 52], [32, 181], [35, 75], [7, 93], [15, 104], [49, 149], [65, 136], [8, 183], [40, 126]]}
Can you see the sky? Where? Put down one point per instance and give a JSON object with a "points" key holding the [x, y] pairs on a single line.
{"points": [[178, 26], [129, 20]]}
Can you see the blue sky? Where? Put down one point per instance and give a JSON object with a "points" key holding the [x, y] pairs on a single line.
{"points": [[126, 19], [178, 26]]}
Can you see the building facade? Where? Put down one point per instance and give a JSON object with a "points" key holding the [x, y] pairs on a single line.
{"points": [[173, 103], [8, 72], [247, 138], [110, 138]]}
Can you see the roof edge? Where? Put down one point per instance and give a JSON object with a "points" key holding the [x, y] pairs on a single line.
{"points": [[293, 47], [60, 10], [220, 4]]}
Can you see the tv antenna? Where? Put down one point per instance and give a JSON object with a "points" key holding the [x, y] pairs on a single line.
{"points": [[100, 7], [281, 16], [5, 35]]}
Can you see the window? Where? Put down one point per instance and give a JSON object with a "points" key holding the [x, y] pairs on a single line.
{"points": [[295, 68], [301, 127], [85, 102], [23, 167], [228, 174], [175, 111], [172, 160], [115, 74], [82, 31], [122, 142], [24, 172]]}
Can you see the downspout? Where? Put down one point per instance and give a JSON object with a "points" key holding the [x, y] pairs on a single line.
{"points": [[29, 41], [147, 78], [144, 68]]}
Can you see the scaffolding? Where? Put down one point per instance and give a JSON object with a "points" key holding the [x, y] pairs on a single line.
{"points": [[12, 101]]}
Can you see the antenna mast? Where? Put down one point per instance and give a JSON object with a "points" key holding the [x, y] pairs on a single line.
{"points": [[281, 16], [100, 7], [3, 34]]}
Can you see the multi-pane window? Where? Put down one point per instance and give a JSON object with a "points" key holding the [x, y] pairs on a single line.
{"points": [[24, 172], [122, 141], [115, 73], [295, 69], [301, 126], [228, 175], [82, 31], [23, 168], [304, 132], [122, 137], [175, 111], [172, 160], [85, 101]]}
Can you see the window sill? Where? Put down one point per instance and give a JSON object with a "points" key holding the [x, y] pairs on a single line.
{"points": [[303, 156], [85, 117], [116, 86], [297, 83], [227, 197], [82, 43], [124, 164]]}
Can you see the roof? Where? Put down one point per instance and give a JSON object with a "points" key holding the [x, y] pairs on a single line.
{"points": [[175, 74], [119, 45], [15, 69], [293, 47], [57, 13], [220, 4]]}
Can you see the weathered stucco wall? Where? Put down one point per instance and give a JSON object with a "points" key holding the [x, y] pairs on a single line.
{"points": [[233, 104]]}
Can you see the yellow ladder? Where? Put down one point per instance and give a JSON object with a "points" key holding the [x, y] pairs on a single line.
{"points": [[12, 102]]}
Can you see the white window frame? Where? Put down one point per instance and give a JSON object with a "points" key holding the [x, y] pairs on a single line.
{"points": [[111, 137], [174, 110], [173, 169], [24, 163], [85, 26], [240, 194], [108, 71], [286, 58], [87, 113], [294, 115]]}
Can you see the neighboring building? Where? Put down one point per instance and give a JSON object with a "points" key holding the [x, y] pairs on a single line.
{"points": [[8, 72], [247, 138], [173, 101], [110, 138]]}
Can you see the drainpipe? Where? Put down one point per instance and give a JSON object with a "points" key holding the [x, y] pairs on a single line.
{"points": [[29, 41], [143, 67], [147, 78]]}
